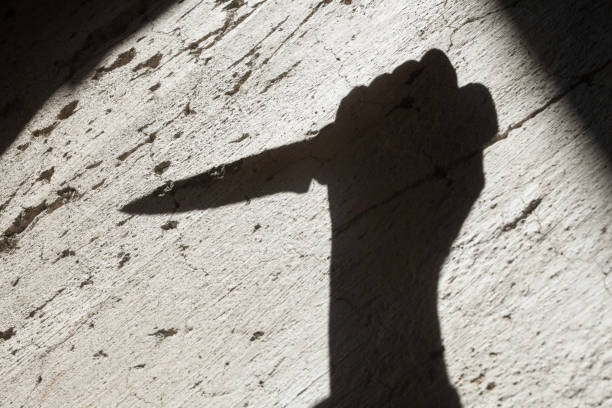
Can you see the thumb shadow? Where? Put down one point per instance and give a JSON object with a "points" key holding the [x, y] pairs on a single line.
{"points": [[403, 166]]}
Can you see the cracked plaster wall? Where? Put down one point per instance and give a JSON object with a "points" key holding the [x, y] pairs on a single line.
{"points": [[228, 306]]}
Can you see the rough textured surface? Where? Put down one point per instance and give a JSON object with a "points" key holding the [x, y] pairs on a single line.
{"points": [[445, 241]]}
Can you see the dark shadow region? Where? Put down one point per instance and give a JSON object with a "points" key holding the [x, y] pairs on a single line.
{"points": [[573, 42], [47, 43], [403, 166]]}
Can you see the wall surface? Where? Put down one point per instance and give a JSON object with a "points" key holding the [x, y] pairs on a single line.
{"points": [[271, 203]]}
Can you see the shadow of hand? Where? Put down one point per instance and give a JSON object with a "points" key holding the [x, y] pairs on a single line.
{"points": [[403, 165]]}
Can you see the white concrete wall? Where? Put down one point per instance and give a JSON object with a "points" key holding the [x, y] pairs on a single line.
{"points": [[229, 307]]}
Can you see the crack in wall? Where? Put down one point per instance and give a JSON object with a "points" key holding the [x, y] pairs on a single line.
{"points": [[316, 8], [195, 48], [41, 307], [439, 173], [30, 215], [471, 20], [239, 83], [256, 47], [583, 79], [526, 212], [280, 77]]}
